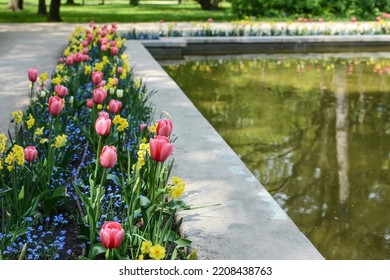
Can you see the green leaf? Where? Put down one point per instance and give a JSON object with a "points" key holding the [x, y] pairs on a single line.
{"points": [[57, 195], [114, 179], [144, 201], [176, 204], [181, 242], [97, 249]]}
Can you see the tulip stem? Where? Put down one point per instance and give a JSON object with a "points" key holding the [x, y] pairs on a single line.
{"points": [[32, 93], [97, 157]]}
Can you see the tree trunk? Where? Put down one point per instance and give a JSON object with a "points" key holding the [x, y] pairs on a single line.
{"points": [[207, 5], [342, 136], [42, 8], [70, 2], [54, 14], [15, 5]]}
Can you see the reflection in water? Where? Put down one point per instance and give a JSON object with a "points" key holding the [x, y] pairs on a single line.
{"points": [[315, 131]]}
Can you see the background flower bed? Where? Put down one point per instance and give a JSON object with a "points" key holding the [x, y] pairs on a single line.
{"points": [[55, 200], [248, 27]]}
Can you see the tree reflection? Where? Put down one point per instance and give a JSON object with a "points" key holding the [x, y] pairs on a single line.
{"points": [[315, 131]]}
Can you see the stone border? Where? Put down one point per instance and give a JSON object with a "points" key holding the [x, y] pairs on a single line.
{"points": [[234, 217], [176, 48]]}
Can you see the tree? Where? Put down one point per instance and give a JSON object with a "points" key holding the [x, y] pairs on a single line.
{"points": [[208, 5], [54, 13], [15, 5], [42, 8]]}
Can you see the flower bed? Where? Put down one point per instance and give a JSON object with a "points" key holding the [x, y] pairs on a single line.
{"points": [[86, 173], [302, 27]]}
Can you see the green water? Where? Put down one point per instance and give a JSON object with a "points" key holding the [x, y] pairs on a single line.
{"points": [[315, 131]]}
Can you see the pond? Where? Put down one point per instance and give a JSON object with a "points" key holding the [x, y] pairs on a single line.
{"points": [[315, 130]]}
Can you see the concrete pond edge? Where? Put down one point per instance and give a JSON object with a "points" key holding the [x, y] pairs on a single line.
{"points": [[233, 216]]}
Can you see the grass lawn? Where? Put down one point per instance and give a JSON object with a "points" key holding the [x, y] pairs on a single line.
{"points": [[118, 11]]}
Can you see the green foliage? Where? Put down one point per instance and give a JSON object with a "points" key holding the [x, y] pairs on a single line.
{"points": [[367, 10]]}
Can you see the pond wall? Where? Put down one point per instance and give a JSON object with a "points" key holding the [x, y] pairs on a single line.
{"points": [[233, 215], [176, 48]]}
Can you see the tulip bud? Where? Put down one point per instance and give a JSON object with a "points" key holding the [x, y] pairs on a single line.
{"points": [[30, 153], [160, 148], [32, 74], [89, 103], [104, 114], [61, 90], [119, 93], [55, 105], [111, 235], [99, 94], [97, 77], [102, 126], [114, 106], [114, 50], [164, 127], [108, 157]]}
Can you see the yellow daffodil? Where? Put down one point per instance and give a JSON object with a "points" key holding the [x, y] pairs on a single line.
{"points": [[30, 121], [87, 69], [3, 142], [44, 76], [18, 116], [61, 141], [15, 156], [157, 252], [145, 247], [39, 131]]}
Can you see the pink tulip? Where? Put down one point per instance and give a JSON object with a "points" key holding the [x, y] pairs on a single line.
{"points": [[102, 125], [55, 105], [321, 20], [104, 114], [378, 18], [114, 106], [103, 48], [111, 235], [114, 50], [103, 41], [142, 126], [164, 127], [32, 74], [160, 148], [90, 37], [89, 103], [30, 153], [97, 77], [77, 57], [61, 90], [120, 70], [99, 94], [108, 157], [69, 60], [299, 19], [353, 19]]}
